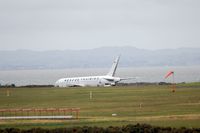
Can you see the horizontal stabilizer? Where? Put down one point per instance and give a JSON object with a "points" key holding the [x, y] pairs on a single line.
{"points": [[129, 78]]}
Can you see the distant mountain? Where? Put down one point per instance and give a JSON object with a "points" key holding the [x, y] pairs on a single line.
{"points": [[99, 57]]}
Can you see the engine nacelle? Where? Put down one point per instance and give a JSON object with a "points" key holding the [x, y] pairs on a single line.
{"points": [[116, 79], [112, 84]]}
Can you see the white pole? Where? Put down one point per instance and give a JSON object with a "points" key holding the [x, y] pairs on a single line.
{"points": [[140, 105], [90, 95], [173, 87], [8, 92]]}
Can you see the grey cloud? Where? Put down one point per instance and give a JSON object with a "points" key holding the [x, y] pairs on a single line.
{"points": [[77, 24]]}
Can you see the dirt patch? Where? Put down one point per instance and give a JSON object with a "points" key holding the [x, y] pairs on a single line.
{"points": [[171, 117], [147, 118]]}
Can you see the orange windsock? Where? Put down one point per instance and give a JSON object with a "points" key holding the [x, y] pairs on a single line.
{"points": [[169, 74]]}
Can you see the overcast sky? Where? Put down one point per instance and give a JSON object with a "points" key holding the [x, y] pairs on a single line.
{"points": [[87, 24]]}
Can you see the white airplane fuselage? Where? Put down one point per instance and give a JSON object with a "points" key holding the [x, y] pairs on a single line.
{"points": [[87, 81], [106, 80]]}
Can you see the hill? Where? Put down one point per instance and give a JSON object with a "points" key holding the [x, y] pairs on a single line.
{"points": [[99, 57]]}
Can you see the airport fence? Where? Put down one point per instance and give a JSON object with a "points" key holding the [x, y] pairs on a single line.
{"points": [[40, 113]]}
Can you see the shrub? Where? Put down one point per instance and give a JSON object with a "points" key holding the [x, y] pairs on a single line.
{"points": [[138, 128]]}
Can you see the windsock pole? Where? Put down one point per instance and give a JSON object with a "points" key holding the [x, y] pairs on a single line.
{"points": [[171, 73], [173, 83]]}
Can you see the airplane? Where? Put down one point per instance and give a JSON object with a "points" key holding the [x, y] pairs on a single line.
{"points": [[105, 80]]}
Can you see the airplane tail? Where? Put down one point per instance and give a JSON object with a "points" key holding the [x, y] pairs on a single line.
{"points": [[114, 67]]}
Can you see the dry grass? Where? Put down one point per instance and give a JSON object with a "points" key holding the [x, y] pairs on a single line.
{"points": [[155, 105]]}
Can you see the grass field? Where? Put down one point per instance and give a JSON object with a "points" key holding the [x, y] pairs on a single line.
{"points": [[153, 104]]}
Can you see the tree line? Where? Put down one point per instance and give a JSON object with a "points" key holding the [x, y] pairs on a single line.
{"points": [[138, 128]]}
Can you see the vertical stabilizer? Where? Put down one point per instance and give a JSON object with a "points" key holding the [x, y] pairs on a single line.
{"points": [[114, 67]]}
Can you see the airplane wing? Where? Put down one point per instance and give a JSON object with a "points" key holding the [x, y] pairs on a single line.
{"points": [[119, 79], [129, 78], [77, 85], [109, 79]]}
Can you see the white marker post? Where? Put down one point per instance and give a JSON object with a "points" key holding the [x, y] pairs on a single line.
{"points": [[140, 105], [90, 95], [7, 92]]}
